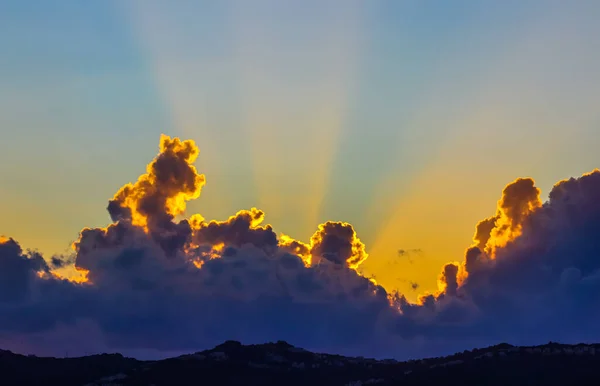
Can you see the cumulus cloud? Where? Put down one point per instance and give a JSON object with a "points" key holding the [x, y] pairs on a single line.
{"points": [[155, 283], [449, 279], [519, 199], [241, 229], [540, 282], [170, 181], [17, 271], [337, 242], [149, 283]]}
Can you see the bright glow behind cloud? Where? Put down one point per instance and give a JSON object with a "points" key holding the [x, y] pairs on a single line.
{"points": [[529, 107], [297, 80], [291, 86], [466, 95], [150, 281]]}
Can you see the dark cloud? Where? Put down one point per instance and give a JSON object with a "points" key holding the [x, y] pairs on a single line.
{"points": [[483, 231], [295, 247], [17, 270], [155, 284], [449, 279], [139, 298], [543, 282], [241, 229], [57, 262], [519, 199], [161, 193], [337, 242]]}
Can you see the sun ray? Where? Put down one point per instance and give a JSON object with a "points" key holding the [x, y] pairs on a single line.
{"points": [[180, 72], [295, 100], [484, 136]]}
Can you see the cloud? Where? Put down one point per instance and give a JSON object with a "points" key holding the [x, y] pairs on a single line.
{"points": [[337, 242], [17, 271], [519, 199], [152, 284], [542, 282], [449, 279], [409, 253], [241, 229]]}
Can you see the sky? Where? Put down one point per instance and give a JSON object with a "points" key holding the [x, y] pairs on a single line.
{"points": [[406, 119]]}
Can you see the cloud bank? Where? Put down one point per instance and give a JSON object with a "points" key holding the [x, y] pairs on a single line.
{"points": [[151, 285]]}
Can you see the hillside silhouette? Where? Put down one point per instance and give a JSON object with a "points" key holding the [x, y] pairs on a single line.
{"points": [[280, 363]]}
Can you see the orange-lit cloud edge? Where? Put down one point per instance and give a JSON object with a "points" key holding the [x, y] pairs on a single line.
{"points": [[157, 279], [171, 180]]}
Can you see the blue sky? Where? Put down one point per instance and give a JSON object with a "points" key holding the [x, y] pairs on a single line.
{"points": [[404, 118]]}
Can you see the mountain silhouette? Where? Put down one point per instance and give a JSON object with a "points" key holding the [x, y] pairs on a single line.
{"points": [[280, 363]]}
